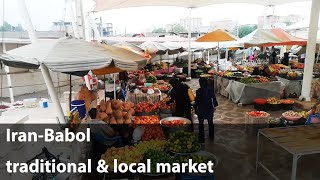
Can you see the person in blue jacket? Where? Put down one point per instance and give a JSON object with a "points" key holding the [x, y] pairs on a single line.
{"points": [[205, 106]]}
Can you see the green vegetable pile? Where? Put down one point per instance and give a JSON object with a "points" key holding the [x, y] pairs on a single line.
{"points": [[157, 156], [151, 79], [248, 80]]}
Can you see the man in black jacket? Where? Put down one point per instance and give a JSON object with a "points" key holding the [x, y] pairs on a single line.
{"points": [[179, 94]]}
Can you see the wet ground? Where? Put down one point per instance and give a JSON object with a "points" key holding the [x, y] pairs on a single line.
{"points": [[235, 148]]}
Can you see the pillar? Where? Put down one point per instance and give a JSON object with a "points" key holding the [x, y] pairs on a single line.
{"points": [[311, 50]]}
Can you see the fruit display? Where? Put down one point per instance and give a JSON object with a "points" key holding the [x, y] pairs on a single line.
{"points": [[262, 79], [294, 75], [131, 154], [151, 79], [164, 104], [174, 123], [157, 156], [304, 114], [146, 107], [287, 101], [258, 114], [115, 112], [144, 120], [273, 100], [154, 132], [291, 115], [183, 142]]}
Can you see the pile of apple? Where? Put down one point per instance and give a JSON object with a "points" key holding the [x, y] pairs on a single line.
{"points": [[115, 112]]}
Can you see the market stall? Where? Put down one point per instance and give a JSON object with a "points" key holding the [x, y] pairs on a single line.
{"points": [[247, 93]]}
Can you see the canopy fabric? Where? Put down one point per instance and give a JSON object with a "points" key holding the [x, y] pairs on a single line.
{"points": [[271, 37], [134, 48], [72, 56], [218, 35], [115, 4], [154, 48]]}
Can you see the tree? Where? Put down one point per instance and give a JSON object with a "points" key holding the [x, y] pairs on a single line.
{"points": [[246, 29], [8, 27], [178, 28], [159, 30]]}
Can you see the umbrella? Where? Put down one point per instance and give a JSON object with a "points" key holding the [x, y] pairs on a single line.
{"points": [[217, 36], [173, 47]]}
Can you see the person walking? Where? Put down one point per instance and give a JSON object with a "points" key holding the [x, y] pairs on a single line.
{"points": [[205, 105]]}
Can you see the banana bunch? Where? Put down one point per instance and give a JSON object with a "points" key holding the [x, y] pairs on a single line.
{"points": [[304, 114]]}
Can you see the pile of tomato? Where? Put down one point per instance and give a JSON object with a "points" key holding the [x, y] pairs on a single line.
{"points": [[257, 114], [145, 120], [153, 132], [174, 123], [146, 107]]}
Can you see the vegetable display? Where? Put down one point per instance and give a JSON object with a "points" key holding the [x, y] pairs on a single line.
{"points": [[183, 142], [151, 79], [258, 114], [157, 156], [141, 120], [115, 112], [146, 107], [291, 115], [273, 100], [153, 132]]}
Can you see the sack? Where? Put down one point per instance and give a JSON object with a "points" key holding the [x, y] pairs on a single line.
{"points": [[191, 95]]}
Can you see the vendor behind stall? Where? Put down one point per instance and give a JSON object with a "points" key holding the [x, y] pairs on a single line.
{"points": [[179, 94]]}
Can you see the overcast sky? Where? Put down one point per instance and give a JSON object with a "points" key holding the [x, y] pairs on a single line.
{"points": [[137, 20]]}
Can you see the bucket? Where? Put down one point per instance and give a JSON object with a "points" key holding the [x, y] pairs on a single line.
{"points": [[79, 105]]}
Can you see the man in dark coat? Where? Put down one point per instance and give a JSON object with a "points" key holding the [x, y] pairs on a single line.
{"points": [[179, 94]]}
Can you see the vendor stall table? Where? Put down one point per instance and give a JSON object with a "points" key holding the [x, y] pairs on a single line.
{"points": [[220, 86], [247, 93], [151, 98], [297, 140], [291, 86]]}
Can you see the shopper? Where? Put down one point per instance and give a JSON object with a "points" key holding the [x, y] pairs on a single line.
{"points": [[285, 60], [179, 94], [205, 106]]}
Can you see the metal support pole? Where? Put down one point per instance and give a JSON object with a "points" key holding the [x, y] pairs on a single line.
{"points": [[7, 70], [114, 87], [189, 44], [70, 91], [294, 167], [52, 93], [73, 18], [257, 158], [311, 50], [45, 72]]}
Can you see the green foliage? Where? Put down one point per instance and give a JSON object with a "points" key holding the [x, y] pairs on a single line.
{"points": [[8, 27], [178, 28], [159, 30], [246, 29]]}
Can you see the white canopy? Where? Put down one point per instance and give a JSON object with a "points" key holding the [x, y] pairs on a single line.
{"points": [[115, 4], [73, 56]]}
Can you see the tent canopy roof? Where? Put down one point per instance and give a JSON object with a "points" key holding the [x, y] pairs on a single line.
{"points": [[72, 56], [217, 36], [115, 4], [271, 37]]}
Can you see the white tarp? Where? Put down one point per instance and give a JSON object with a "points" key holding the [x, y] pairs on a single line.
{"points": [[115, 4]]}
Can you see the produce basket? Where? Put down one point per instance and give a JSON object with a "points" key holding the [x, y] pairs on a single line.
{"points": [[274, 107], [287, 104], [260, 104], [170, 129], [255, 123]]}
